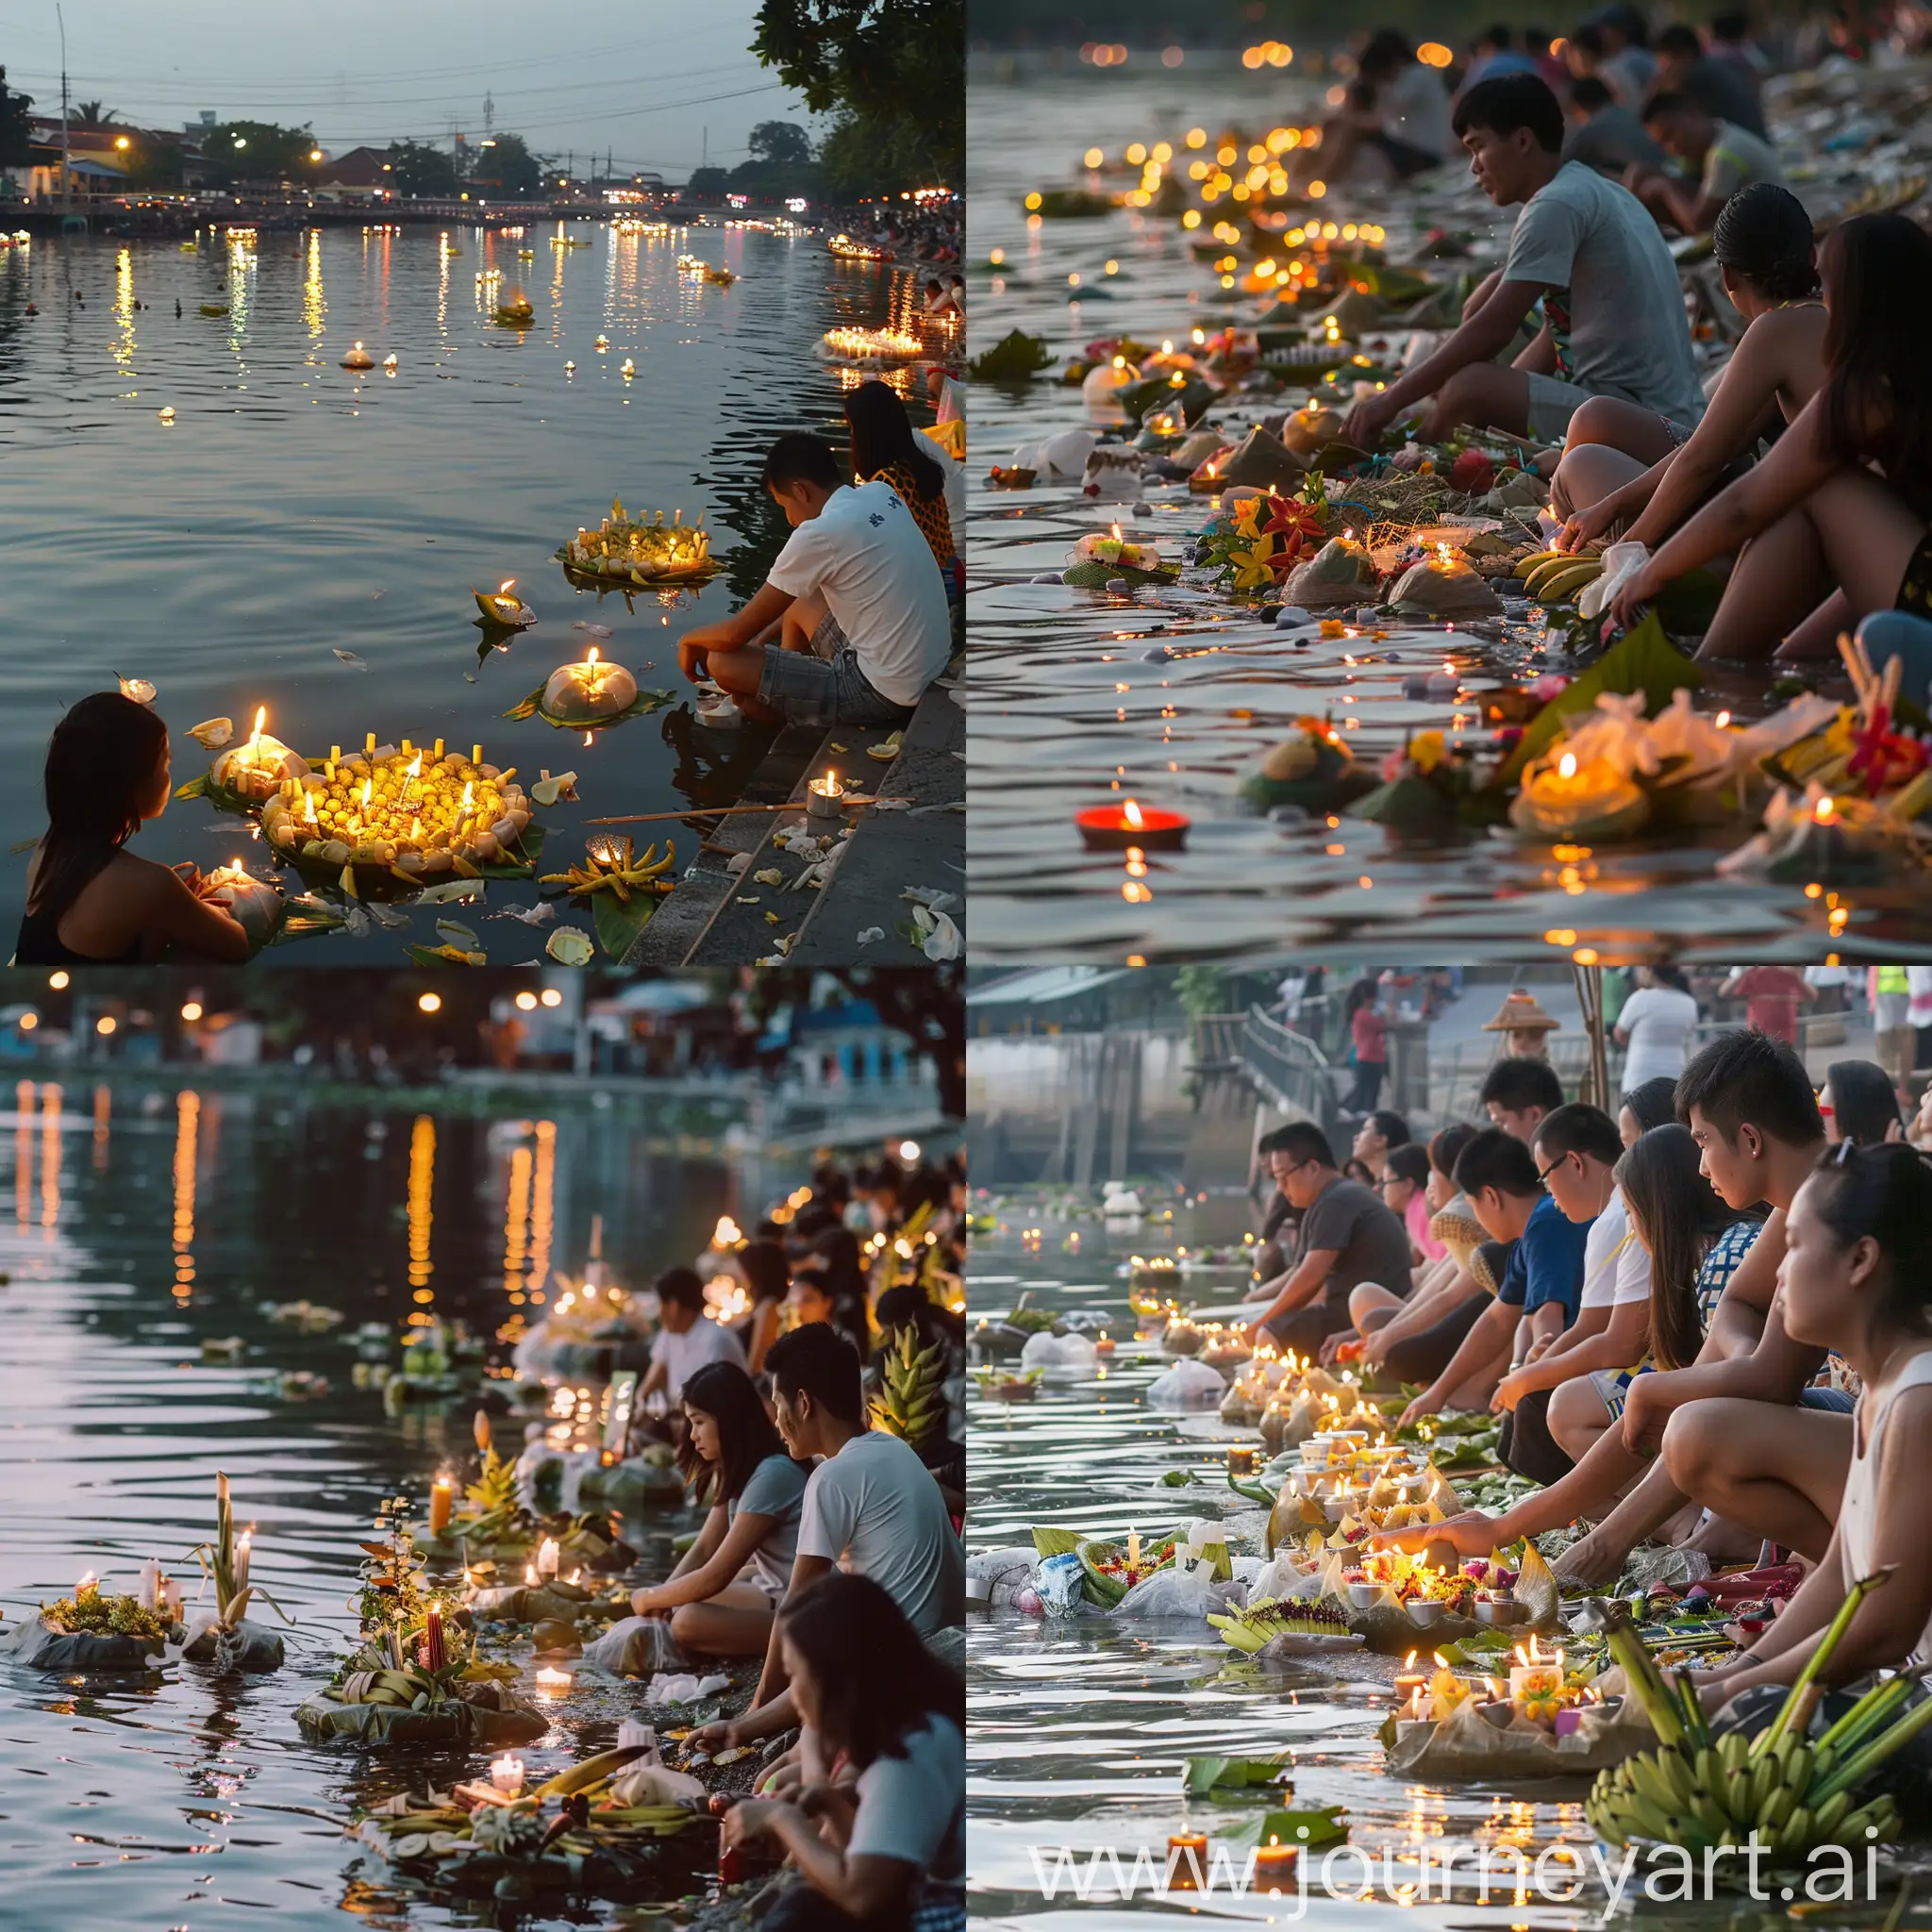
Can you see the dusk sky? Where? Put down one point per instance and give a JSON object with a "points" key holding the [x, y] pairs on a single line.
{"points": [[645, 81]]}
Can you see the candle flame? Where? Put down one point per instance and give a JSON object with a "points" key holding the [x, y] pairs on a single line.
{"points": [[368, 790], [469, 786], [86, 1584], [1826, 806], [1724, 719], [1568, 766], [508, 585], [309, 804], [1116, 533], [1131, 812], [592, 658], [1443, 552], [415, 770]]}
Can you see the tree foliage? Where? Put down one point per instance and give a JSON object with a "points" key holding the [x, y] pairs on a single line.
{"points": [[256, 151], [783, 143], [14, 130], [893, 71], [706, 184], [509, 167], [419, 169]]}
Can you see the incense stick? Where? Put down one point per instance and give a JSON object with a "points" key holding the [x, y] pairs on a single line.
{"points": [[712, 811]]}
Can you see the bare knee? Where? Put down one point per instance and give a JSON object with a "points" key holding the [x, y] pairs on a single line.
{"points": [[686, 1623], [1577, 1416], [1692, 1448], [1593, 421]]}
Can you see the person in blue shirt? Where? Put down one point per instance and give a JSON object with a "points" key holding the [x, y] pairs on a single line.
{"points": [[1540, 1284]]}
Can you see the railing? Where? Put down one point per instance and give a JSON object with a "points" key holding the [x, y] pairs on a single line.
{"points": [[1288, 1067]]}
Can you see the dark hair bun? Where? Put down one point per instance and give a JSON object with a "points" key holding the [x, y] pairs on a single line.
{"points": [[1764, 235]]}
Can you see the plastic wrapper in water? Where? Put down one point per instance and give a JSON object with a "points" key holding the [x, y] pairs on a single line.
{"points": [[636, 1647], [1176, 1593], [1059, 1355], [1187, 1385], [1062, 1585], [36, 1642], [994, 1578], [249, 1646]]}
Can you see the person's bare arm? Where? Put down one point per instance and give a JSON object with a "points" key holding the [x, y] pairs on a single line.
{"points": [[806, 1570], [873, 1890], [734, 632], [1301, 1286], [188, 924], [1482, 1345], [1538, 357], [720, 1566], [1615, 1345]]}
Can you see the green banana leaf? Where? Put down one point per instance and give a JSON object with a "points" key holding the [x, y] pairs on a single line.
{"points": [[1642, 659], [1089, 573], [1324, 1825], [641, 706], [618, 925], [1232, 1776], [1015, 358], [1049, 1541]]}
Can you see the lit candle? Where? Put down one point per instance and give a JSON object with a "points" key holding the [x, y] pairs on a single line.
{"points": [[432, 1637], [442, 1496], [1186, 1858], [1103, 1344], [1240, 1461], [546, 1557], [1117, 827], [1133, 1549], [549, 1681], [1275, 1865], [825, 797], [243, 1544], [507, 1775]]}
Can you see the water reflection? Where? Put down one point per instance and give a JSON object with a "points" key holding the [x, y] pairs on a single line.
{"points": [[181, 1799]]}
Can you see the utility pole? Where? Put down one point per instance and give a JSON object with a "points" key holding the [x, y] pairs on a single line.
{"points": [[65, 177]]}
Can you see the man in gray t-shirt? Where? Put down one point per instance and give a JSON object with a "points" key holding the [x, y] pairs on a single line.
{"points": [[1719, 155], [1583, 248]]}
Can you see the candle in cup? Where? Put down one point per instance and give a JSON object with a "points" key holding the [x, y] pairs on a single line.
{"points": [[1103, 1344], [442, 1496], [507, 1775], [1240, 1461], [1186, 1858], [550, 1681], [1275, 1865], [1130, 824], [547, 1557], [825, 797]]}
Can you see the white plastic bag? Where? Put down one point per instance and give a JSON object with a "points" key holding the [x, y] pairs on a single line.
{"points": [[645, 1783], [1188, 1385], [1059, 458], [994, 1578], [636, 1647], [683, 1686], [1620, 561], [1172, 1592], [1059, 1355]]}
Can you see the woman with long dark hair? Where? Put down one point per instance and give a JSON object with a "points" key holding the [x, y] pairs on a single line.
{"points": [[1860, 1104], [767, 1277], [1843, 498], [885, 449], [1765, 253], [733, 1460], [88, 900], [882, 1841]]}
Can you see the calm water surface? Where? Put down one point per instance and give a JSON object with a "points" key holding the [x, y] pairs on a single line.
{"points": [[144, 1218], [294, 510], [1068, 711]]}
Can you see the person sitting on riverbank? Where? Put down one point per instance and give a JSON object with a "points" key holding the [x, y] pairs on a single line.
{"points": [[877, 1832], [885, 450], [1537, 1295], [1650, 1104], [1844, 497], [1518, 1092], [870, 1506], [1856, 1277], [1346, 1236], [767, 1279], [1404, 1192], [1692, 1244], [686, 1338], [733, 1462], [828, 1285], [858, 601], [1583, 248], [1763, 247], [1379, 1135], [1603, 134], [1721, 88], [1722, 157], [1395, 124], [1577, 1151], [90, 900]]}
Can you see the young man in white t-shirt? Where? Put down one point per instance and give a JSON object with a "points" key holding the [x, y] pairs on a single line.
{"points": [[855, 597], [1612, 306], [686, 1338], [870, 1506]]}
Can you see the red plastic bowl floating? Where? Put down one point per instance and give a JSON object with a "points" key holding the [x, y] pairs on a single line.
{"points": [[1115, 827]]}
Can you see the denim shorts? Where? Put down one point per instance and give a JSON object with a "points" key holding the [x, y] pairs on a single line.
{"points": [[823, 692], [1833, 1401]]}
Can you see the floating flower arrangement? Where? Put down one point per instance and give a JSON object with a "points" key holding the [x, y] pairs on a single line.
{"points": [[626, 550], [846, 249], [852, 344]]}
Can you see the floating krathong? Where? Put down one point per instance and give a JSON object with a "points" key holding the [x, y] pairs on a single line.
{"points": [[359, 357], [589, 692], [623, 549], [515, 310], [500, 608], [870, 344], [846, 249]]}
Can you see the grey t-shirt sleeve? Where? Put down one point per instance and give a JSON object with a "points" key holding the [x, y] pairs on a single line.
{"points": [[1543, 247], [777, 1488]]}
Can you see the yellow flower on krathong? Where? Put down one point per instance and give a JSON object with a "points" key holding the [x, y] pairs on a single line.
{"points": [[1251, 571], [1248, 517], [1427, 750]]}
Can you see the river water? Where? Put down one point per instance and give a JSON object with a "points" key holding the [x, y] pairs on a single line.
{"points": [[1076, 702], [294, 510], [148, 1215], [1080, 1728]]}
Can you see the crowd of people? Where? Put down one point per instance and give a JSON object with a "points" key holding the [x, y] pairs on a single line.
{"points": [[856, 618], [1803, 470], [829, 1548], [1702, 1314]]}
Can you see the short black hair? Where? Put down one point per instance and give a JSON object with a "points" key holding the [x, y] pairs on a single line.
{"points": [[1863, 1099], [796, 457], [1498, 37], [1301, 1140], [1386, 52], [1666, 104], [1520, 1080], [1729, 26], [1749, 1079], [1408, 1162], [821, 1362], [1499, 1160], [1587, 92], [682, 1286], [1447, 1146], [1679, 38], [1652, 1104], [1580, 1128], [1389, 1124], [1511, 101], [1589, 39]]}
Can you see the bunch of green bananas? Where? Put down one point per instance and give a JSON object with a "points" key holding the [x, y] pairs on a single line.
{"points": [[1554, 576], [1248, 1630], [1720, 1795], [911, 1405]]}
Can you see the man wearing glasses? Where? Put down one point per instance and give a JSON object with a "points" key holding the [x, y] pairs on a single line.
{"points": [[1347, 1236]]}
